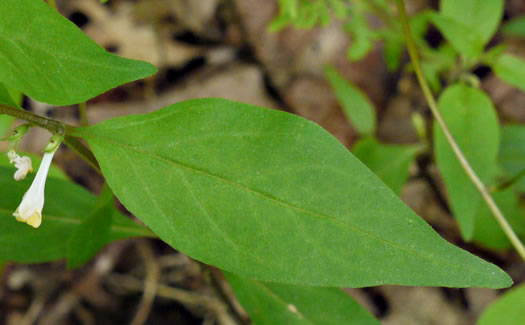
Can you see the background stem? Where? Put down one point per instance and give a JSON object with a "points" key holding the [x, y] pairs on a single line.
{"points": [[412, 50]]}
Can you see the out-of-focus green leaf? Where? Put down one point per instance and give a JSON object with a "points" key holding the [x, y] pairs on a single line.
{"points": [[512, 152], [46, 57], [482, 16], [510, 69], [388, 161], [472, 120], [93, 233], [271, 304], [488, 232], [357, 107], [463, 38], [66, 205], [273, 197], [515, 27], [437, 62], [508, 309], [362, 37]]}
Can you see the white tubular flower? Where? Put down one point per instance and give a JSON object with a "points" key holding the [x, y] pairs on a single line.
{"points": [[30, 209], [23, 165]]}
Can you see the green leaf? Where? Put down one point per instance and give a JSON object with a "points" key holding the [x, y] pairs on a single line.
{"points": [[515, 27], [65, 207], [93, 233], [512, 152], [271, 196], [356, 105], [270, 304], [472, 120], [6, 121], [482, 16], [362, 37], [389, 162], [488, 232], [508, 309], [48, 58], [463, 38], [510, 69]]}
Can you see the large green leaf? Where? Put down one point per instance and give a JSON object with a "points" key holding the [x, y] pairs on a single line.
{"points": [[510, 69], [488, 232], [270, 304], [271, 196], [48, 58], [508, 310], [356, 106], [93, 233], [512, 152], [388, 161], [463, 38], [482, 16], [65, 207], [472, 120]]}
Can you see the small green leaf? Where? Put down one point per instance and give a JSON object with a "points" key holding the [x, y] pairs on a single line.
{"points": [[515, 27], [65, 207], [388, 161], [463, 38], [482, 16], [46, 57], [472, 120], [510, 69], [508, 309], [488, 232], [512, 152], [356, 105], [93, 233], [270, 304], [271, 196]]}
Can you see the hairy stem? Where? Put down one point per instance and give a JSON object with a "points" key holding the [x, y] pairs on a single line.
{"points": [[412, 50], [53, 126]]}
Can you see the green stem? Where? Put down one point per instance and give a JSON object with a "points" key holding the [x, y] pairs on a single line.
{"points": [[52, 4], [412, 50], [53, 126], [80, 149], [82, 111]]}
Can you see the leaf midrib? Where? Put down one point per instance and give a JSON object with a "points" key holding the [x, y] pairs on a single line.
{"points": [[86, 135]]}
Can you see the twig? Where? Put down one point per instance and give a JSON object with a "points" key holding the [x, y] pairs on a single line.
{"points": [[455, 148], [150, 283], [82, 111], [184, 297]]}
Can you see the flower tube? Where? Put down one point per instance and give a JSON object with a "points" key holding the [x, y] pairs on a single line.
{"points": [[30, 209]]}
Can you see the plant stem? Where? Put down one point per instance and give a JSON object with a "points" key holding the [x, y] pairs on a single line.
{"points": [[82, 111], [53, 126], [412, 50], [52, 4]]}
